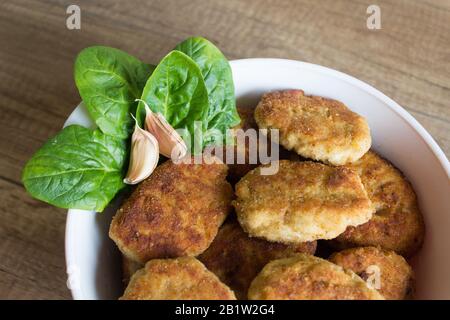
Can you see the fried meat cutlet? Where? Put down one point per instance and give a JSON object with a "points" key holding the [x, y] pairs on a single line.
{"points": [[176, 212], [396, 277], [305, 277], [303, 201], [397, 224], [176, 279], [317, 128]]}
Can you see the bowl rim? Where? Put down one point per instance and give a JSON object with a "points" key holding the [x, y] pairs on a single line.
{"points": [[77, 293]]}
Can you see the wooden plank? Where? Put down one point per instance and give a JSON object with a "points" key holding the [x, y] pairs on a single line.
{"points": [[31, 247]]}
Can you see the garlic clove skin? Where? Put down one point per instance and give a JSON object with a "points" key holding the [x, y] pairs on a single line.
{"points": [[170, 142], [144, 156], [171, 145]]}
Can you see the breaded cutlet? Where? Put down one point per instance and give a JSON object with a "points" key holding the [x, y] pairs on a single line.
{"points": [[303, 201], [176, 212], [398, 223], [315, 127], [396, 277], [183, 278], [305, 277]]}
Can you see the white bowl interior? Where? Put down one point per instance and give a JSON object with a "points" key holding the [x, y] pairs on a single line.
{"points": [[93, 262]]}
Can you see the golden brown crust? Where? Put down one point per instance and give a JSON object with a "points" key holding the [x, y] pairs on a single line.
{"points": [[305, 277], [176, 279], [303, 201], [176, 212], [237, 258], [396, 276], [315, 127], [397, 224]]}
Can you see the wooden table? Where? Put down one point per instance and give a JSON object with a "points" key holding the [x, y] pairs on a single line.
{"points": [[408, 59]]}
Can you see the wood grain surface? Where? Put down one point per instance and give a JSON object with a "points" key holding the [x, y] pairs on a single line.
{"points": [[408, 59]]}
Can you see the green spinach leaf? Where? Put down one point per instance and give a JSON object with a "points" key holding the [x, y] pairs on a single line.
{"points": [[109, 80], [176, 90], [216, 71], [82, 168], [78, 168]]}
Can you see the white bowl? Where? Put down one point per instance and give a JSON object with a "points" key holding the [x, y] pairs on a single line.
{"points": [[93, 262]]}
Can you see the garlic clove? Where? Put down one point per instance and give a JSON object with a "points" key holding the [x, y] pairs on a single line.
{"points": [[170, 142], [144, 156]]}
